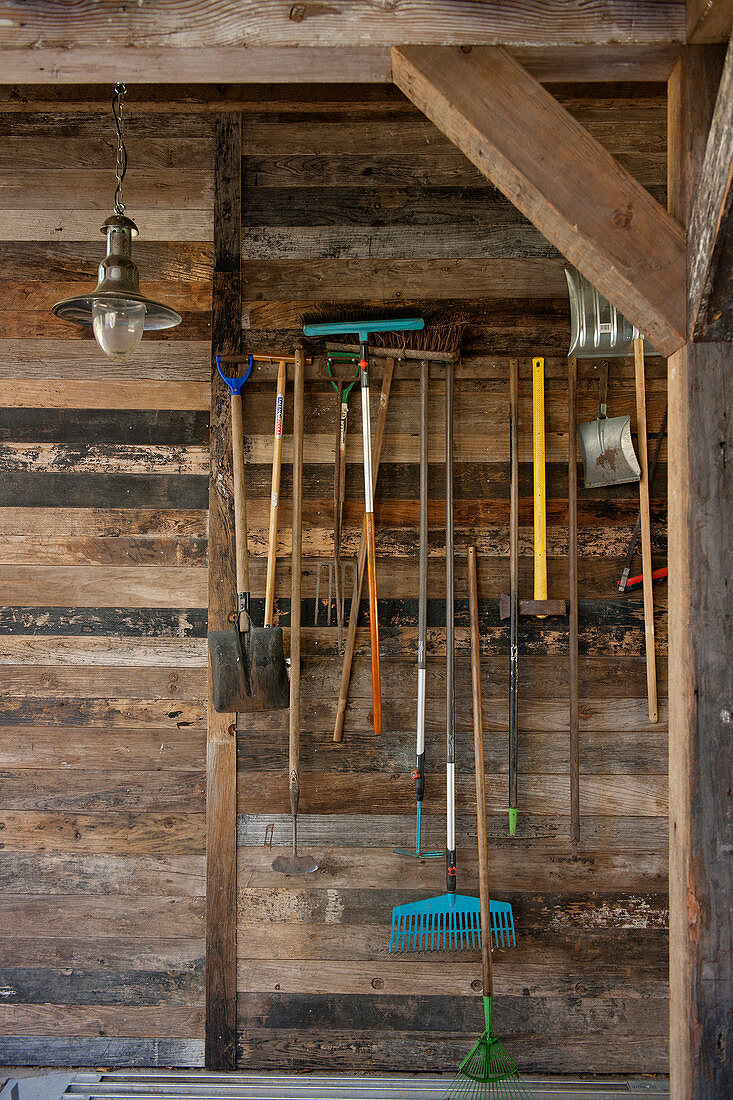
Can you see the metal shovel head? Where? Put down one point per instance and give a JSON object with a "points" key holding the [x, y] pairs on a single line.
{"points": [[267, 669], [607, 452], [294, 865], [230, 684]]}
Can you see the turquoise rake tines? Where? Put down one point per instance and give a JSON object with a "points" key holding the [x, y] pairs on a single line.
{"points": [[451, 922]]}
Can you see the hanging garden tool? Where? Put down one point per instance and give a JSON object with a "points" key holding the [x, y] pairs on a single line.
{"points": [[296, 864], [574, 699], [362, 329], [487, 1072], [513, 589], [511, 607], [646, 532], [422, 623], [599, 331], [451, 921], [624, 582], [338, 567], [248, 670], [605, 445], [350, 646]]}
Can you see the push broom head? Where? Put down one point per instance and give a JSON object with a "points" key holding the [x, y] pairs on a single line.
{"points": [[451, 922], [488, 1072], [439, 331]]}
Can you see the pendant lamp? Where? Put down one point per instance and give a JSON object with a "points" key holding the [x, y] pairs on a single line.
{"points": [[116, 309]]}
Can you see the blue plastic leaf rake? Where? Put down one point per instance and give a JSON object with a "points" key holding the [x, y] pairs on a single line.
{"points": [[451, 922]]}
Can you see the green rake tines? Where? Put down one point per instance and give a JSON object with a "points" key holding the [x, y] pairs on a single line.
{"points": [[488, 1072], [451, 922]]}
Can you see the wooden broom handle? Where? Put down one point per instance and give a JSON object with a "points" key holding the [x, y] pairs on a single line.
{"points": [[294, 741], [478, 745], [646, 531], [240, 496], [277, 450], [338, 729]]}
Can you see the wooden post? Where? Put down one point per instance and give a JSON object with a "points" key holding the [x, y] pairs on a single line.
{"points": [[221, 742], [700, 646]]}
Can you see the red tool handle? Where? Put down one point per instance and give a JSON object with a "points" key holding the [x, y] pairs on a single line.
{"points": [[657, 574]]}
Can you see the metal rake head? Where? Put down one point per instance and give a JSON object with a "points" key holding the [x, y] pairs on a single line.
{"points": [[451, 922], [346, 566]]}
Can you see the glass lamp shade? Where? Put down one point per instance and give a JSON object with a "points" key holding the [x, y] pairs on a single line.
{"points": [[118, 326], [112, 307]]}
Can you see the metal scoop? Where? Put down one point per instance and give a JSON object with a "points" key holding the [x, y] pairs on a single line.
{"points": [[598, 329], [605, 445]]}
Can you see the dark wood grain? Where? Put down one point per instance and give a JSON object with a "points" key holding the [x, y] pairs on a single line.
{"points": [[701, 685], [221, 808]]}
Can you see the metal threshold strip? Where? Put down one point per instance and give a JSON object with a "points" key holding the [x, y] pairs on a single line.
{"points": [[199, 1085], [273, 1086]]}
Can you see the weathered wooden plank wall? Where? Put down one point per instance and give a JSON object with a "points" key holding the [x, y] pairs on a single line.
{"points": [[369, 206], [103, 566], [103, 551]]}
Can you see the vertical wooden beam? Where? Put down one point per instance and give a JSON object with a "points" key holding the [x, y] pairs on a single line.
{"points": [[221, 744], [700, 646]]}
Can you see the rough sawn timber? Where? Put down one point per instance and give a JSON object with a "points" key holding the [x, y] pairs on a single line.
{"points": [[710, 283], [558, 176], [221, 749], [701, 677]]}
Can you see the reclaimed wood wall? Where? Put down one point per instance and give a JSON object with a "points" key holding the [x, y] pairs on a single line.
{"points": [[103, 552], [350, 195], [365, 204]]}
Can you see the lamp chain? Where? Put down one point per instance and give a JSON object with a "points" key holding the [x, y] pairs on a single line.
{"points": [[118, 103]]}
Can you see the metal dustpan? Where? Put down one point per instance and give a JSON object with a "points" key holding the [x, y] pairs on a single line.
{"points": [[598, 330], [451, 922]]}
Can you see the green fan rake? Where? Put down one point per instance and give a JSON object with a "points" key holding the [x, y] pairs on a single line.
{"points": [[487, 1072], [451, 922]]}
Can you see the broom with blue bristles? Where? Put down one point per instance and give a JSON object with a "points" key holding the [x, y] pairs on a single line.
{"points": [[451, 921]]}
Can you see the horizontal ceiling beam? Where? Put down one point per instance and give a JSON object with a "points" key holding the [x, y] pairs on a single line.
{"points": [[558, 176], [240, 66], [710, 279], [179, 24]]}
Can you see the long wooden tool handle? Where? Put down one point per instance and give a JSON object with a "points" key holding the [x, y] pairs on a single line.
{"points": [[478, 744], [646, 531], [450, 685], [622, 584], [573, 595], [240, 499], [513, 588], [371, 545], [277, 450], [538, 456], [338, 729], [294, 743]]}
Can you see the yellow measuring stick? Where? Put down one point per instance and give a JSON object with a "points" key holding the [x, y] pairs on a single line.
{"points": [[538, 466]]}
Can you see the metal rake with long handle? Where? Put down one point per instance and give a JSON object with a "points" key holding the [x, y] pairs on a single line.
{"points": [[451, 922]]}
